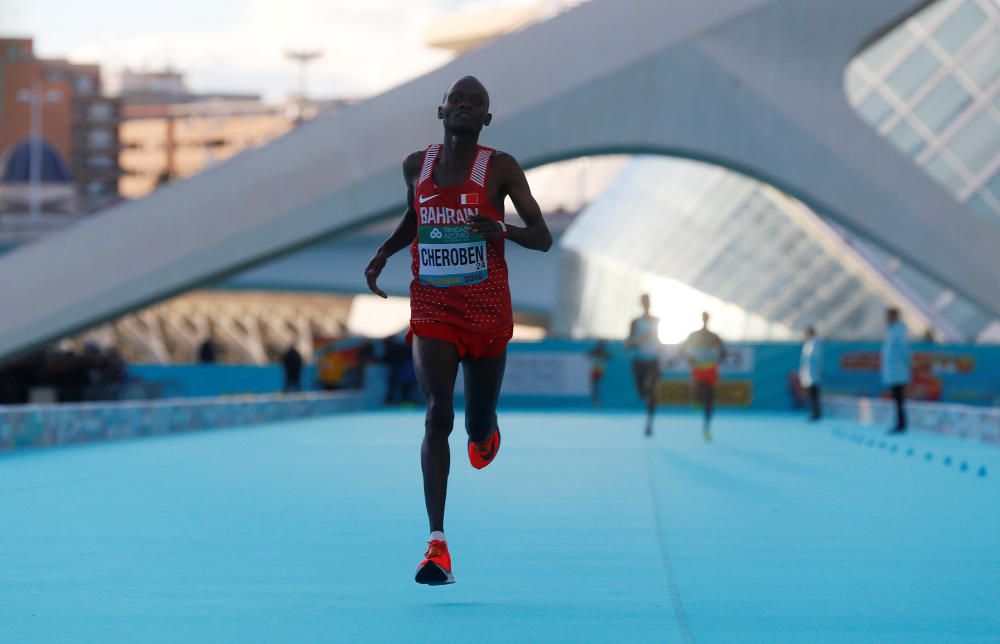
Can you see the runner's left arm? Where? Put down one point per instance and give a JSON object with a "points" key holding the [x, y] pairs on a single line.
{"points": [[535, 233], [405, 231]]}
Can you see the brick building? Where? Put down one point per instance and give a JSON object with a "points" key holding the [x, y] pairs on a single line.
{"points": [[78, 121]]}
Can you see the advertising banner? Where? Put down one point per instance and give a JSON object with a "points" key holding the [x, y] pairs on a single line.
{"points": [[549, 373], [965, 375], [728, 393]]}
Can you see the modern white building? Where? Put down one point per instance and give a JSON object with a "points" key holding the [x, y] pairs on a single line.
{"points": [[838, 171]]}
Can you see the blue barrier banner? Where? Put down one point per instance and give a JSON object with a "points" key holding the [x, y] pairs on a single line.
{"points": [[963, 374], [560, 372], [753, 375]]}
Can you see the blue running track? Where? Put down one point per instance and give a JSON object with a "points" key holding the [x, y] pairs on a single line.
{"points": [[581, 531]]}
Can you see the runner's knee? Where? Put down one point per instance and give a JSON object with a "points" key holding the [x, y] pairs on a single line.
{"points": [[440, 418]]}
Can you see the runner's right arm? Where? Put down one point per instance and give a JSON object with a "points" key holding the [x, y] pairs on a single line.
{"points": [[405, 232]]}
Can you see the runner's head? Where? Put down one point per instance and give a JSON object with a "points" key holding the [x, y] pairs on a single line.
{"points": [[892, 315], [704, 319], [466, 107], [644, 302], [810, 331]]}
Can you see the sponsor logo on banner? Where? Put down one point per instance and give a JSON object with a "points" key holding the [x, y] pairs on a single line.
{"points": [[738, 359], [547, 374], [933, 362], [929, 371]]}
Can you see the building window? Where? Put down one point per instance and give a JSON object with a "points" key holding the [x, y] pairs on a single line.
{"points": [[978, 143], [83, 84], [907, 139], [100, 112], [982, 65], [938, 74], [943, 104], [957, 29], [913, 73], [875, 109], [99, 138]]}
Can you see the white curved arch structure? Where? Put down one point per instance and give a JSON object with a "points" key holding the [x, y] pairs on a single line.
{"points": [[755, 85]]}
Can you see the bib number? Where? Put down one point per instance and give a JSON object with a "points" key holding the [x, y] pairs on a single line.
{"points": [[451, 256]]}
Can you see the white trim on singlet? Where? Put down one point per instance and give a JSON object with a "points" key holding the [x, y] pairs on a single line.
{"points": [[478, 174], [428, 167]]}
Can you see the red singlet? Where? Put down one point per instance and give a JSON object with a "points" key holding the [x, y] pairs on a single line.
{"points": [[459, 291]]}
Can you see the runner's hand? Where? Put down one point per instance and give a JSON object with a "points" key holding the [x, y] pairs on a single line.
{"points": [[373, 270], [486, 227]]}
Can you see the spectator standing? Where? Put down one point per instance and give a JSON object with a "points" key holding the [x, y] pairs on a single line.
{"points": [[811, 371], [291, 363], [206, 351], [896, 365]]}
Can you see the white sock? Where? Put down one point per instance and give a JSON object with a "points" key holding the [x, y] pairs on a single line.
{"points": [[437, 535]]}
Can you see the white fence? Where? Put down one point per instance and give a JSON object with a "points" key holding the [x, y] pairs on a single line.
{"points": [[960, 421]]}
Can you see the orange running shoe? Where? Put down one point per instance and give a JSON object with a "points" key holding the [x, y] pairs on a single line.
{"points": [[435, 569], [482, 454]]}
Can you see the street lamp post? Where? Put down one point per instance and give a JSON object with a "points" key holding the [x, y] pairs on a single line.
{"points": [[303, 57], [36, 99]]}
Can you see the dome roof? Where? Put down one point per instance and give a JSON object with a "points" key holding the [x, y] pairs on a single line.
{"points": [[16, 165]]}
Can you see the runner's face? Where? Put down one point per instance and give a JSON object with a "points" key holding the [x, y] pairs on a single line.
{"points": [[466, 108]]}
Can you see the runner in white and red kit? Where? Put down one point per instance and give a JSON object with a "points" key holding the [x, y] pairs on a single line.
{"points": [[460, 310]]}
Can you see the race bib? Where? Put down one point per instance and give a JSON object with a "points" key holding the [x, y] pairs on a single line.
{"points": [[451, 256]]}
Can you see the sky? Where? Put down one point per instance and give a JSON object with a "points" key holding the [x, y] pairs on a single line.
{"points": [[239, 45]]}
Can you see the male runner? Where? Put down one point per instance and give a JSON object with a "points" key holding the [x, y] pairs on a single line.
{"points": [[460, 310], [704, 350], [644, 342]]}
